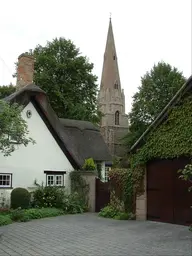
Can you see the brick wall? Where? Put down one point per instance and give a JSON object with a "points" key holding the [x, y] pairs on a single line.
{"points": [[25, 70]]}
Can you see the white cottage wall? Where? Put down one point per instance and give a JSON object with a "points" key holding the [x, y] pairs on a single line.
{"points": [[29, 163]]}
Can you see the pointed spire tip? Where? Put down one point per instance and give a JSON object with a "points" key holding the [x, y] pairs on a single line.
{"points": [[110, 16]]}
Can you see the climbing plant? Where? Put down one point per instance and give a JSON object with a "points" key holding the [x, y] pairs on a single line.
{"points": [[121, 187], [171, 139], [79, 186], [186, 174]]}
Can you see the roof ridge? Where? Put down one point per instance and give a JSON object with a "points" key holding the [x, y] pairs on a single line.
{"points": [[187, 85]]}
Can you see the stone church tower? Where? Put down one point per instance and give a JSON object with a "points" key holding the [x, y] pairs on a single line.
{"points": [[111, 100]]}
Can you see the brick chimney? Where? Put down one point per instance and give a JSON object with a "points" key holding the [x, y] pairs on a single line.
{"points": [[25, 70]]}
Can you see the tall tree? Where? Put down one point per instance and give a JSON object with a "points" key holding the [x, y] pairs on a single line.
{"points": [[13, 128], [6, 90], [66, 76], [158, 86]]}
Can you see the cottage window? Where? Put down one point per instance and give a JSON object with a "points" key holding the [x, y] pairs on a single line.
{"points": [[50, 180], [58, 180], [55, 178], [5, 180], [117, 118]]}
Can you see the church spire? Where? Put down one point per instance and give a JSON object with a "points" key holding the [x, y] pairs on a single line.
{"points": [[111, 100], [110, 74]]}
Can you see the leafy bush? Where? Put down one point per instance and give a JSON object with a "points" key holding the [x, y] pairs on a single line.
{"points": [[124, 216], [89, 165], [79, 189], [4, 211], [20, 197], [18, 215], [5, 220], [48, 197], [42, 213], [111, 212], [108, 212], [186, 174], [73, 203]]}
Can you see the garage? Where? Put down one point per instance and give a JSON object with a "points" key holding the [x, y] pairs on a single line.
{"points": [[168, 199]]}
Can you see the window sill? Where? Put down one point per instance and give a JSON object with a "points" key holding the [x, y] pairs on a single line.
{"points": [[53, 186], [6, 187]]}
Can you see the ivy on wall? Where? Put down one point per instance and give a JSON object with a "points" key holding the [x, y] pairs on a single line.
{"points": [[121, 188], [173, 138], [79, 186]]}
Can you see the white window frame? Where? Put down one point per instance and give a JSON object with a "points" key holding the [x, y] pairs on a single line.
{"points": [[62, 177], [55, 179], [106, 177], [10, 180], [50, 175]]}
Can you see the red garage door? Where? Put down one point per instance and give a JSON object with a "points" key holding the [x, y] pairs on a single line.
{"points": [[168, 199]]}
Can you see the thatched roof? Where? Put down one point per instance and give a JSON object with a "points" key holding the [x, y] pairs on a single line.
{"points": [[79, 140]]}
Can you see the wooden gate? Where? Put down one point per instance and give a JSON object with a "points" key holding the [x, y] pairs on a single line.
{"points": [[102, 194], [168, 199]]}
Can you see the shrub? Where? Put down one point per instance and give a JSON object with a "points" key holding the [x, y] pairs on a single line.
{"points": [[89, 165], [111, 212], [79, 189], [21, 215], [20, 197], [5, 220], [18, 215], [124, 216], [42, 213], [108, 212], [74, 203], [4, 211], [48, 197]]}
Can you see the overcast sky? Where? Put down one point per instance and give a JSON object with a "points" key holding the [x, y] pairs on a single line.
{"points": [[146, 31]]}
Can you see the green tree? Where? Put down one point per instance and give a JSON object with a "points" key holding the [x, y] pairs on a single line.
{"points": [[66, 76], [158, 86], [6, 90], [13, 128]]}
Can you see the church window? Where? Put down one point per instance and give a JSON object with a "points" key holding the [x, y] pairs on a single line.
{"points": [[117, 118], [114, 57], [116, 85]]}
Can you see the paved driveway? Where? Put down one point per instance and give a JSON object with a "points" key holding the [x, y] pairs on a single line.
{"points": [[88, 234]]}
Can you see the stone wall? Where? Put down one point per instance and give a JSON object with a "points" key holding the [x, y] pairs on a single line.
{"points": [[141, 203], [90, 179]]}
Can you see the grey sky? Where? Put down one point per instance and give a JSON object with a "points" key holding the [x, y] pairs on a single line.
{"points": [[146, 31]]}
